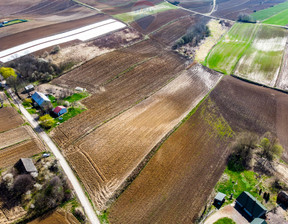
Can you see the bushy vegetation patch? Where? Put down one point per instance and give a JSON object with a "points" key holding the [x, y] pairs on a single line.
{"points": [[246, 18]]}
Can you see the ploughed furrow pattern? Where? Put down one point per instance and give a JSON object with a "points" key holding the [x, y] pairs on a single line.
{"points": [[9, 119], [118, 147], [119, 95]]}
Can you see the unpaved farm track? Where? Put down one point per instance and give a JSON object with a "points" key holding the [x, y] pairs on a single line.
{"points": [[106, 157]]}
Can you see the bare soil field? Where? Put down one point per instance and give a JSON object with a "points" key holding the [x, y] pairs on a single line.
{"points": [[14, 136], [177, 181], [153, 22], [202, 6], [172, 32], [106, 157], [99, 70], [7, 7], [282, 81], [247, 107], [57, 217], [9, 119], [118, 95], [230, 9], [10, 155], [8, 41]]}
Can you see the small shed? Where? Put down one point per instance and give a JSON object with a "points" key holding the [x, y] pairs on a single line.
{"points": [[42, 100], [250, 205], [59, 110], [258, 221], [219, 199], [29, 88], [80, 89], [25, 165]]}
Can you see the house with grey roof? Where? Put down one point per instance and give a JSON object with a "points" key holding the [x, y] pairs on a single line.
{"points": [[25, 165]]}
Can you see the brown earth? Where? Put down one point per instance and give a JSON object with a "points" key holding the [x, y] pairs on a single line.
{"points": [[14, 136], [174, 185], [129, 86], [177, 181], [106, 157], [247, 107], [172, 32], [10, 155], [57, 217], [8, 41], [9, 119], [7, 7], [151, 23], [202, 6]]}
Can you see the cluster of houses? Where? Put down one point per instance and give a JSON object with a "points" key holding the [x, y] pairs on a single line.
{"points": [[41, 100]]}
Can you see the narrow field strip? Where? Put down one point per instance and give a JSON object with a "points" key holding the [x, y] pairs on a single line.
{"points": [[83, 34]]}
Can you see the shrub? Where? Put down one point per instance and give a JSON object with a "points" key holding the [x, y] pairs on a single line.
{"points": [[7, 72], [46, 121], [270, 149], [55, 49], [246, 18], [22, 184]]}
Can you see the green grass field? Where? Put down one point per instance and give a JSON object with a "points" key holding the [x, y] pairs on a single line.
{"points": [[129, 17], [262, 61], [266, 13], [279, 19], [224, 221], [225, 55]]}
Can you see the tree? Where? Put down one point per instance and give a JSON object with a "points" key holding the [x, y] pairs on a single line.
{"points": [[16, 83], [270, 148], [22, 184], [246, 18], [7, 72], [46, 121]]}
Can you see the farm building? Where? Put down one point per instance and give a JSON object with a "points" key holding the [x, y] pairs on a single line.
{"points": [[25, 165], [250, 205], [258, 221], [41, 100], [219, 199], [29, 88], [60, 110]]}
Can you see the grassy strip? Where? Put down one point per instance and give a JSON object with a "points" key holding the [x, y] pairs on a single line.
{"points": [[85, 5], [129, 17], [278, 19], [266, 13]]}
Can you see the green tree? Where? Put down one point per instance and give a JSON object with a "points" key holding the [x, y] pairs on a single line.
{"points": [[46, 121], [7, 72], [271, 148]]}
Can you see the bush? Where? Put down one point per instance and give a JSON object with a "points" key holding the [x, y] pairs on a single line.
{"points": [[7, 72], [46, 121], [22, 184], [246, 18], [270, 149], [55, 49]]}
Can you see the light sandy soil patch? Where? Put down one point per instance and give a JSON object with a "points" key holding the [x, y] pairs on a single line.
{"points": [[282, 81], [14, 136], [57, 217], [9, 119], [217, 30], [228, 211], [9, 216], [106, 157], [280, 216]]}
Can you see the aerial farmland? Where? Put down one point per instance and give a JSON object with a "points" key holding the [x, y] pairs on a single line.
{"points": [[143, 111]]}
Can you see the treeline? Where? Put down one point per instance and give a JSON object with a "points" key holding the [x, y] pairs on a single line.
{"points": [[246, 18], [194, 35]]}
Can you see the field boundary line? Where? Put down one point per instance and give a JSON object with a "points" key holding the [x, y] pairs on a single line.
{"points": [[142, 164], [282, 63], [95, 167], [17, 143], [128, 108], [86, 5]]}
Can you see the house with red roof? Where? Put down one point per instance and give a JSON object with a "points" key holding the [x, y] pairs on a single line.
{"points": [[59, 110]]}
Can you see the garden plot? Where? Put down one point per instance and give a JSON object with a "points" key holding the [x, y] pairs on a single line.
{"points": [[9, 119], [106, 157], [225, 55], [261, 62]]}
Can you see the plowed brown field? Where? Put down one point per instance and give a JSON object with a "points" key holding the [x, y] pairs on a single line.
{"points": [[172, 32], [119, 94], [101, 69], [57, 217], [177, 181], [14, 136], [153, 22], [9, 119], [106, 157]]}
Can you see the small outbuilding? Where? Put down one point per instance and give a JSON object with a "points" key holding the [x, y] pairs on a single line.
{"points": [[258, 221], [59, 110], [250, 205], [219, 199], [41, 100], [26, 165], [29, 88], [80, 89]]}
